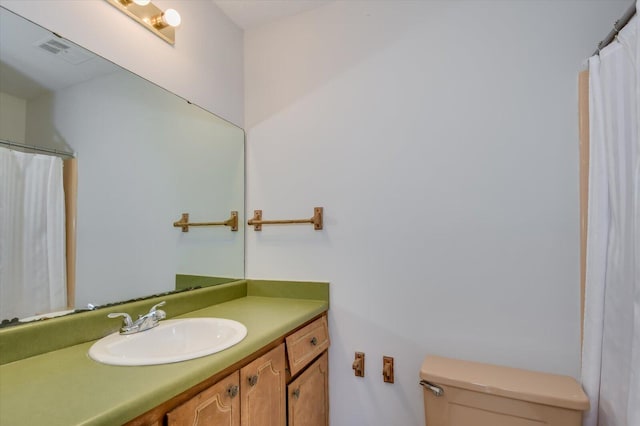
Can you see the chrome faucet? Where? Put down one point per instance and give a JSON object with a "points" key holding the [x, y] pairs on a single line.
{"points": [[144, 322]]}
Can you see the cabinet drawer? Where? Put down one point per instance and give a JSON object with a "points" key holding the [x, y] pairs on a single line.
{"points": [[307, 343]]}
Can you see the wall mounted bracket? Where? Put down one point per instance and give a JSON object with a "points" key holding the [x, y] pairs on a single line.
{"points": [[387, 369], [184, 223], [358, 364], [257, 222]]}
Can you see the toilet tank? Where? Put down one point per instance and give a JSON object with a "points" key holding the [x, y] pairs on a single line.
{"points": [[464, 393]]}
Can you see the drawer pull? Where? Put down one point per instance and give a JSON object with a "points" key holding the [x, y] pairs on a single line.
{"points": [[232, 391], [253, 380], [314, 341], [296, 393]]}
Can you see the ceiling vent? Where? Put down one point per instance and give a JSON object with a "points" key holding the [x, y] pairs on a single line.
{"points": [[64, 50]]}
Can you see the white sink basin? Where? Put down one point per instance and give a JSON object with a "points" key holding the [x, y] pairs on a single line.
{"points": [[171, 341]]}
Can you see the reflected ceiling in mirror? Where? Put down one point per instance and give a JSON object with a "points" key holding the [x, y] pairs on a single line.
{"points": [[144, 157]]}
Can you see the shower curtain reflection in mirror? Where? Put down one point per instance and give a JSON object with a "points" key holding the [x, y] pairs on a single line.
{"points": [[32, 234]]}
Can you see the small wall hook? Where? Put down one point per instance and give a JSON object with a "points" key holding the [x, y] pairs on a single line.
{"points": [[387, 369], [358, 364]]}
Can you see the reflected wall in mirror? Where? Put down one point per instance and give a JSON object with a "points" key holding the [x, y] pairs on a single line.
{"points": [[144, 157]]}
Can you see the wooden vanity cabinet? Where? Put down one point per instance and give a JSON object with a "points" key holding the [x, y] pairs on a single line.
{"points": [[273, 387], [218, 405]]}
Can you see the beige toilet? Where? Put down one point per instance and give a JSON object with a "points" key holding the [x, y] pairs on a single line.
{"points": [[464, 393]]}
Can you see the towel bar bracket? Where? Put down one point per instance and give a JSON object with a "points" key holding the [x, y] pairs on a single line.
{"points": [[257, 222], [184, 223]]}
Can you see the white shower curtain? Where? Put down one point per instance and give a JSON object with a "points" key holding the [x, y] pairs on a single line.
{"points": [[611, 346], [32, 235]]}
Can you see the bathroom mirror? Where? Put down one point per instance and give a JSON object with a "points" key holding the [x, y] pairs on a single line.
{"points": [[144, 157]]}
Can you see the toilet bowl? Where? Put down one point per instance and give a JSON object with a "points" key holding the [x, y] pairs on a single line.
{"points": [[464, 393]]}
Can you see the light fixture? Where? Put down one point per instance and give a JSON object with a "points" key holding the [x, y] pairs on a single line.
{"points": [[138, 2], [151, 17], [169, 17]]}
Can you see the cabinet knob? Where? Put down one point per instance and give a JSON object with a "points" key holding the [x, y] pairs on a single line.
{"points": [[296, 393], [314, 341], [253, 380], [232, 391]]}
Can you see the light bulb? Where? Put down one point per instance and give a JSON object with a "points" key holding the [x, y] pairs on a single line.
{"points": [[142, 2], [171, 17]]}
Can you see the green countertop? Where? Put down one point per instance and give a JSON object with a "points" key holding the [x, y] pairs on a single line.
{"points": [[66, 387]]}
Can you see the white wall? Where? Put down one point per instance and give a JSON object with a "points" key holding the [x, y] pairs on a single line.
{"points": [[441, 139], [13, 118], [204, 66]]}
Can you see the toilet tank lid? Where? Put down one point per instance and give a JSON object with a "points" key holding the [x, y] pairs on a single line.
{"points": [[524, 385]]}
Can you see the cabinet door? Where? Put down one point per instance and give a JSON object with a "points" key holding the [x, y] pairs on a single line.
{"points": [[309, 396], [263, 390], [218, 405]]}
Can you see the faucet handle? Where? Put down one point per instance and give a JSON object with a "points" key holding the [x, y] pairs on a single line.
{"points": [[127, 319], [155, 307], [158, 314]]}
